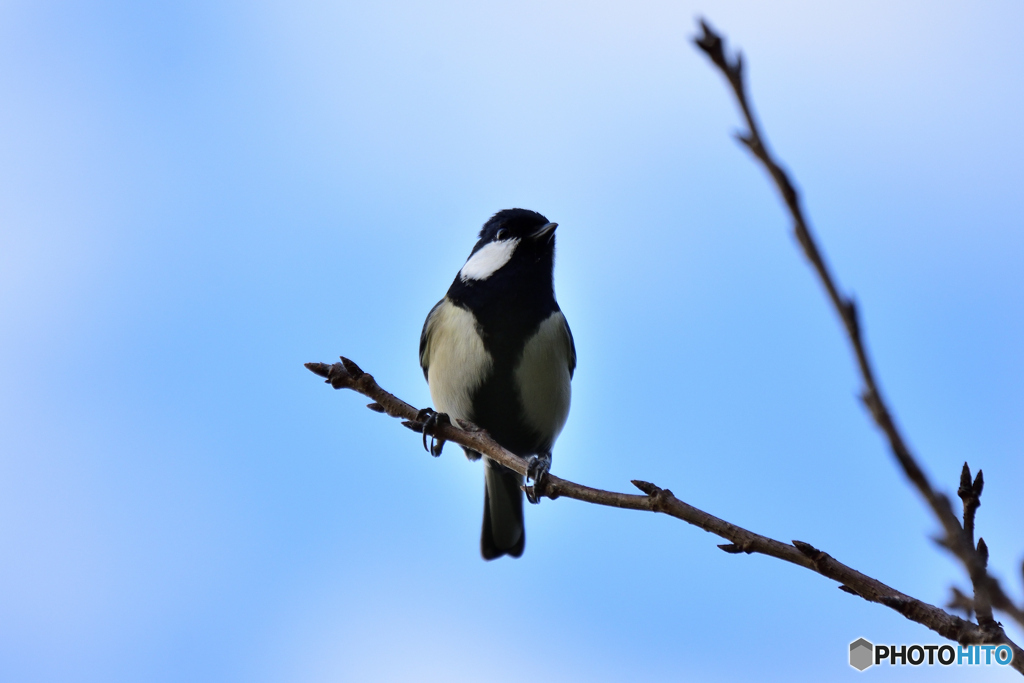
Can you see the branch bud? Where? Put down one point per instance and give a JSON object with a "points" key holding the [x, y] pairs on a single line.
{"points": [[983, 552]]}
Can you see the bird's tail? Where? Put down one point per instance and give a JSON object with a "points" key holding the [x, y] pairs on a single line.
{"points": [[503, 532]]}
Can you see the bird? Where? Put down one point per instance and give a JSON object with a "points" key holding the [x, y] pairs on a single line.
{"points": [[497, 351]]}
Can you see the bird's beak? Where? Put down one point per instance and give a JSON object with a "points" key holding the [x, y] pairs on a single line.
{"points": [[545, 231]]}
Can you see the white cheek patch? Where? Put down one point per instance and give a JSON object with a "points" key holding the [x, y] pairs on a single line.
{"points": [[488, 260]]}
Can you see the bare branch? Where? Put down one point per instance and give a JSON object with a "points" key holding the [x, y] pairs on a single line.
{"points": [[957, 539], [348, 375]]}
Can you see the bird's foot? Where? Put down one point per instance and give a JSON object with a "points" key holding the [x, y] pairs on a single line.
{"points": [[429, 419], [537, 470]]}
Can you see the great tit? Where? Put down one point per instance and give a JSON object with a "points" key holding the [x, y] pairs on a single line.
{"points": [[497, 351]]}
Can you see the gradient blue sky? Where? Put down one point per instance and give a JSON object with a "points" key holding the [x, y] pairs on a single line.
{"points": [[198, 197]]}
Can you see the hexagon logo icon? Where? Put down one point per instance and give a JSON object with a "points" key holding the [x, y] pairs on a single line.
{"points": [[862, 654]]}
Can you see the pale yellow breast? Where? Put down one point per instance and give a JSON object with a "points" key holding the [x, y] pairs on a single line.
{"points": [[457, 362], [543, 377]]}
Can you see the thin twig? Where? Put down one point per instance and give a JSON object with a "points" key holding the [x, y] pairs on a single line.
{"points": [[348, 375], [970, 493], [955, 539]]}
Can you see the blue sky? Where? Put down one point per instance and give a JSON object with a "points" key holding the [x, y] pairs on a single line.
{"points": [[196, 198]]}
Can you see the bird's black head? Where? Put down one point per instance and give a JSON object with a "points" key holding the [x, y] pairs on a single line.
{"points": [[513, 259], [513, 240], [517, 224]]}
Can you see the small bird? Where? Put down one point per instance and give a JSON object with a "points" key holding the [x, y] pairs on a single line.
{"points": [[497, 351]]}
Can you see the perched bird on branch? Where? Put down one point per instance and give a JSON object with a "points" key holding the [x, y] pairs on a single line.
{"points": [[497, 351]]}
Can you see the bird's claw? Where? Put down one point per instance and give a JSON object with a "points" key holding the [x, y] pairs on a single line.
{"points": [[537, 470], [430, 418]]}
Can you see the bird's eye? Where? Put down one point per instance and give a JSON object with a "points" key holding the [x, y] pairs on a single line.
{"points": [[501, 234]]}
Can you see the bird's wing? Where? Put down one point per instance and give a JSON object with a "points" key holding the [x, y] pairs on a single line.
{"points": [[572, 347], [428, 325]]}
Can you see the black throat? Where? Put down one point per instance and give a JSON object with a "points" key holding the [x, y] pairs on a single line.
{"points": [[509, 307], [511, 304]]}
